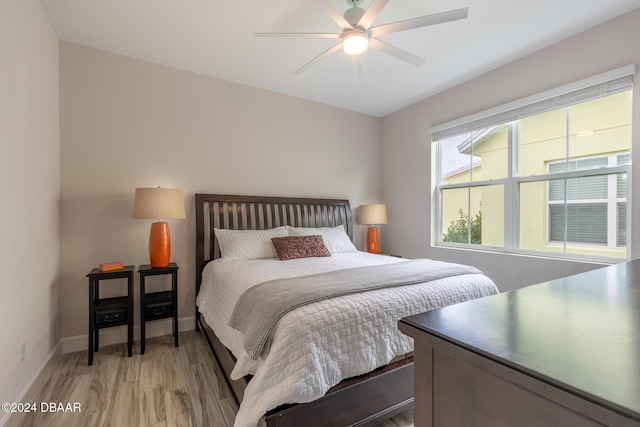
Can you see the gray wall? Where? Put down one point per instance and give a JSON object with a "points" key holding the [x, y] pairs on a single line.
{"points": [[30, 189], [127, 123]]}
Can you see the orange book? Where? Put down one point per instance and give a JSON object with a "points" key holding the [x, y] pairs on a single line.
{"points": [[109, 266]]}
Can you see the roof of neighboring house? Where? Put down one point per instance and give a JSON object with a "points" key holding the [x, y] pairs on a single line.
{"points": [[476, 138], [461, 169]]}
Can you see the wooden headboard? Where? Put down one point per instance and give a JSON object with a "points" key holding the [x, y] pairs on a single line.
{"points": [[260, 213]]}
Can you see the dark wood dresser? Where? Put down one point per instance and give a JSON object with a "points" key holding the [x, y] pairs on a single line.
{"points": [[561, 353]]}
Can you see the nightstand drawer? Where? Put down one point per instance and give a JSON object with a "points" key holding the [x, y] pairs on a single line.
{"points": [[160, 309], [109, 317]]}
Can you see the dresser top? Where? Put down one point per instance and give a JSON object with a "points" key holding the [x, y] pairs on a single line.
{"points": [[580, 333]]}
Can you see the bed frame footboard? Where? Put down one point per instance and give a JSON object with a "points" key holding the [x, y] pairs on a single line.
{"points": [[361, 401]]}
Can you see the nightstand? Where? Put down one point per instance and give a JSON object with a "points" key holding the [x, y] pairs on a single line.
{"points": [[158, 305], [109, 312]]}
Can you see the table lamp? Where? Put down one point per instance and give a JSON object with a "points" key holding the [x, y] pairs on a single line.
{"points": [[159, 203], [372, 214]]}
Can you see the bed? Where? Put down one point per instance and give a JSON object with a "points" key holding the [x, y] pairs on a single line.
{"points": [[337, 361]]}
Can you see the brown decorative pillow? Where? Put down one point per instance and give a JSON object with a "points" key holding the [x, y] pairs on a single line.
{"points": [[293, 247]]}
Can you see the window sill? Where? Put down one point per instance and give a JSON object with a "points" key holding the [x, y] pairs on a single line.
{"points": [[533, 254]]}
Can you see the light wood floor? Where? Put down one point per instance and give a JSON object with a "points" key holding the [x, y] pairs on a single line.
{"points": [[167, 386]]}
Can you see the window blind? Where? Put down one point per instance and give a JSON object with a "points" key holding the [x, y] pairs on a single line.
{"points": [[609, 83], [585, 223], [588, 187], [622, 224]]}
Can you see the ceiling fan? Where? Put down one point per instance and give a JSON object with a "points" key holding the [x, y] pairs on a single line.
{"points": [[358, 34]]}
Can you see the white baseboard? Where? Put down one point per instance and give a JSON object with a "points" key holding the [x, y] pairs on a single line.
{"points": [[118, 335], [33, 387], [109, 336]]}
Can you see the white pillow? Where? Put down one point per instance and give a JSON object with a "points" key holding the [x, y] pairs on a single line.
{"points": [[335, 239], [248, 244]]}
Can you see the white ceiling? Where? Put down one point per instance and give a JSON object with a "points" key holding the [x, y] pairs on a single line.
{"points": [[214, 38]]}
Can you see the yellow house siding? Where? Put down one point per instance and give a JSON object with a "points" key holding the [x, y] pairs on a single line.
{"points": [[594, 128]]}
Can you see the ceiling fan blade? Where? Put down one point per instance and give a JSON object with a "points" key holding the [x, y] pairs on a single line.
{"points": [[372, 13], [318, 58], [423, 21], [319, 35], [335, 15], [394, 51], [357, 68]]}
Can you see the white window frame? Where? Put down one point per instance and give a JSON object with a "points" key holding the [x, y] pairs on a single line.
{"points": [[595, 87]]}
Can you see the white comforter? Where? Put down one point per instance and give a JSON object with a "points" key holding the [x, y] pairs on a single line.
{"points": [[318, 345]]}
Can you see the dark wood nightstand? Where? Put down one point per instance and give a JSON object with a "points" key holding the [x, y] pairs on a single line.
{"points": [[109, 312], [158, 305]]}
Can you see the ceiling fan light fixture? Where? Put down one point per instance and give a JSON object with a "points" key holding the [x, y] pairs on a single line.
{"points": [[355, 43], [357, 32]]}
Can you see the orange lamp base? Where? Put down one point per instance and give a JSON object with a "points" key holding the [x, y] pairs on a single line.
{"points": [[159, 244], [373, 244]]}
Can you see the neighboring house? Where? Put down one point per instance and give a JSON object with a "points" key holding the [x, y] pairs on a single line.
{"points": [[590, 135]]}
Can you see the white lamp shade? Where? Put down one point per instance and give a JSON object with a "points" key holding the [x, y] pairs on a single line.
{"points": [[158, 203], [355, 43], [372, 214]]}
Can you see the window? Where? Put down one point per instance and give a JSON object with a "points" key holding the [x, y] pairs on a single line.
{"points": [[588, 201], [544, 175]]}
